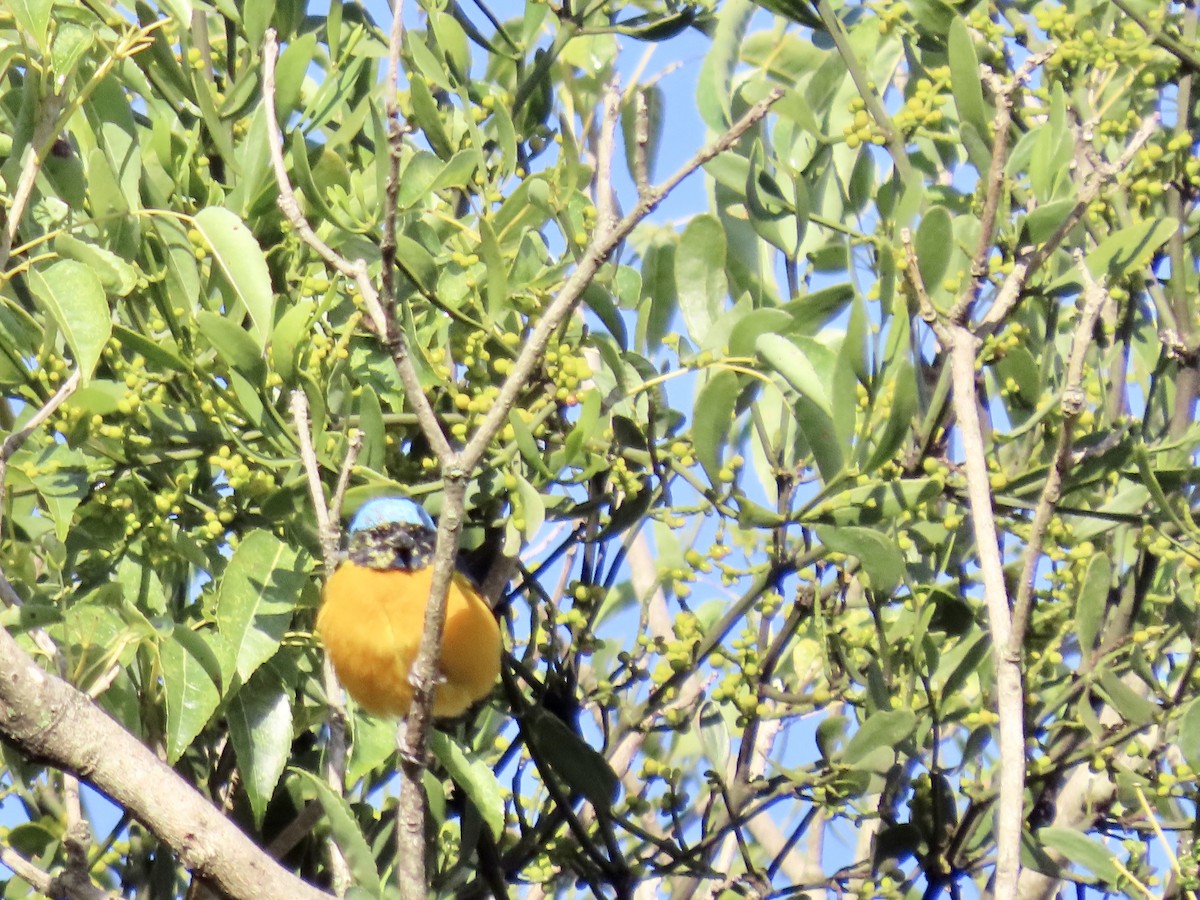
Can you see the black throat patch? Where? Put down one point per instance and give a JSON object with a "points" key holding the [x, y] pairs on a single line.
{"points": [[393, 546]]}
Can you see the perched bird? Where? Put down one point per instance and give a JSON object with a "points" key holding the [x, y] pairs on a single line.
{"points": [[373, 614]]}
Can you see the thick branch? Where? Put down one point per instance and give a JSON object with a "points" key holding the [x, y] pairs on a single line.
{"points": [[50, 721], [962, 345]]}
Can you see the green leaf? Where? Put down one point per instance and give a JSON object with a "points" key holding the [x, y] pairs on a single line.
{"points": [[496, 286], [789, 360], [428, 118], [257, 597], [1092, 602], [1019, 365], [714, 86], [61, 481], [814, 408], [1082, 850], [870, 503], [532, 508], [965, 83], [712, 421], [1129, 704], [239, 257], [416, 262], [579, 766], [901, 377], [33, 17], [160, 353], [291, 332], [72, 295], [233, 344], [116, 276], [878, 555], [888, 728], [1131, 247], [476, 779], [452, 41], [346, 834], [934, 245], [1189, 734], [370, 425], [700, 274], [1045, 220], [260, 729], [290, 71], [182, 279], [743, 337], [966, 659], [935, 16], [814, 310], [831, 735], [191, 697]]}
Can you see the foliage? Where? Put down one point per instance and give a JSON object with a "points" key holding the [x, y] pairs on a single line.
{"points": [[748, 609]]}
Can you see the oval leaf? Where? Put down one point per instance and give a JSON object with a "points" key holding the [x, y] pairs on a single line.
{"points": [[191, 696], [878, 555], [237, 253], [475, 777], [1092, 601], [882, 729], [258, 594], [72, 295], [346, 833], [711, 421], [260, 728], [700, 274]]}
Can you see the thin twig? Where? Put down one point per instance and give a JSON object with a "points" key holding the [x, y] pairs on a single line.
{"points": [[866, 89], [961, 310], [606, 198], [13, 443], [1013, 287], [603, 242], [35, 154], [1010, 699], [353, 448], [641, 141], [77, 837], [289, 205], [1073, 399], [326, 532], [66, 885], [335, 748], [925, 307], [50, 720]]}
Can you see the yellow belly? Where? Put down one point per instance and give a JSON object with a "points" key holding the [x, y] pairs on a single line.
{"points": [[371, 622]]}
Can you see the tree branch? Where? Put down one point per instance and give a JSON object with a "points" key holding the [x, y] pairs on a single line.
{"points": [[53, 723], [1014, 285], [1072, 402], [961, 346], [327, 516]]}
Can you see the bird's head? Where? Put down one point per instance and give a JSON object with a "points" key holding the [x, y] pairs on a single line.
{"points": [[392, 533]]}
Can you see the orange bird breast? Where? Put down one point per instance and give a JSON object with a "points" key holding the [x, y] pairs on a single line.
{"points": [[371, 622]]}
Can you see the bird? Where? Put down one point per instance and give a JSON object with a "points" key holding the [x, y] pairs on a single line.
{"points": [[373, 614]]}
